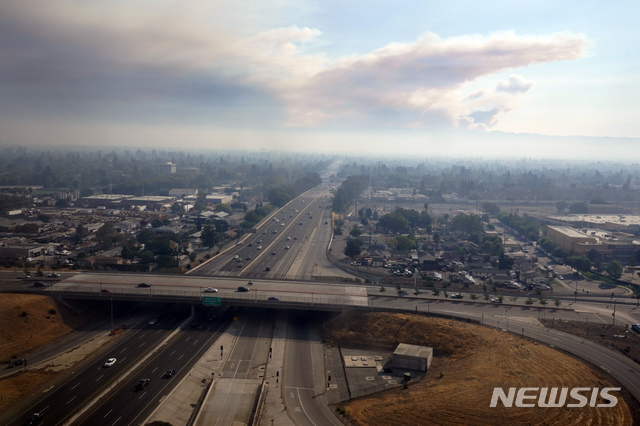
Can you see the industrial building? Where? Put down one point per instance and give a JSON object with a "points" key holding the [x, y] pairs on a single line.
{"points": [[620, 246], [412, 357]]}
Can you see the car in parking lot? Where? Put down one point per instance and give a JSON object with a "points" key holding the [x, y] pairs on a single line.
{"points": [[247, 258], [286, 247], [144, 285], [240, 265], [110, 362], [210, 290], [242, 289], [169, 373]]}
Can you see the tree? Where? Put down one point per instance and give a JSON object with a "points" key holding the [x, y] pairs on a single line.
{"points": [[614, 269], [356, 232], [209, 236], [353, 247], [578, 208], [436, 237], [557, 302], [106, 235], [491, 208], [222, 207], [582, 264], [529, 301], [406, 243], [561, 206], [177, 208]]}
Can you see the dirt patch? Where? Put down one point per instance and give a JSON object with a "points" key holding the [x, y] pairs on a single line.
{"points": [[469, 362], [28, 322]]}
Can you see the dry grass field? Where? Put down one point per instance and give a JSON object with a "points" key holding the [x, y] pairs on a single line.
{"points": [[469, 362], [28, 322]]}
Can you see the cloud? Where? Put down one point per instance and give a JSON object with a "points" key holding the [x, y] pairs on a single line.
{"points": [[162, 59], [425, 79], [516, 84]]}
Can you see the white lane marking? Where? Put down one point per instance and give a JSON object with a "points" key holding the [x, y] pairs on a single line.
{"points": [[77, 384], [99, 377], [68, 402], [108, 412]]}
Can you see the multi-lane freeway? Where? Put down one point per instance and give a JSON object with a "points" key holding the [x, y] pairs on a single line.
{"points": [[274, 250]]}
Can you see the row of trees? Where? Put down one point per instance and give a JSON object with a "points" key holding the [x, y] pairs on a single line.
{"points": [[348, 192], [282, 194], [593, 259]]}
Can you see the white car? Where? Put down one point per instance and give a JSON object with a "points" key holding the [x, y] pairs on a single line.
{"points": [[210, 290], [110, 362], [235, 256], [496, 300]]}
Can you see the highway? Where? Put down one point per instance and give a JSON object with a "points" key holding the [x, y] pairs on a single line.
{"points": [[303, 223], [61, 403], [126, 405], [303, 376]]}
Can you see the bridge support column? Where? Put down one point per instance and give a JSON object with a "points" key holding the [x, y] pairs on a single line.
{"points": [[193, 311]]}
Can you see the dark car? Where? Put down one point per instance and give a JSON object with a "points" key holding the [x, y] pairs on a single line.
{"points": [[104, 290], [143, 383], [39, 284], [268, 268], [17, 362], [33, 419], [144, 285], [169, 373], [242, 289], [276, 299]]}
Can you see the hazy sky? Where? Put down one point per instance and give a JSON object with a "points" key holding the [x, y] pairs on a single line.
{"points": [[417, 77]]}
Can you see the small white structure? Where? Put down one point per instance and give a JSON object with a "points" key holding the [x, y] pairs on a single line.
{"points": [[412, 357]]}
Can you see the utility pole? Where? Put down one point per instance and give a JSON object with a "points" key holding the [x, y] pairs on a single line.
{"points": [[112, 315]]}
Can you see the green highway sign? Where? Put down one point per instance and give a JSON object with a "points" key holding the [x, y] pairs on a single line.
{"points": [[211, 301]]}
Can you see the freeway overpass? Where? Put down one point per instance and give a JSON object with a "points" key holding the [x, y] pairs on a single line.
{"points": [[191, 290]]}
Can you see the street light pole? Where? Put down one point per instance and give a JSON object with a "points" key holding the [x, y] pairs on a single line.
{"points": [[112, 315]]}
